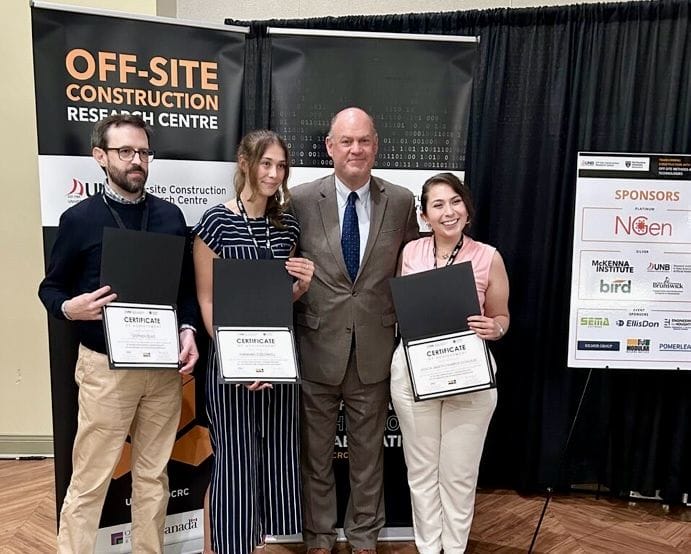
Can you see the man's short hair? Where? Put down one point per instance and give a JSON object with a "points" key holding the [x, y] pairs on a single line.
{"points": [[99, 138]]}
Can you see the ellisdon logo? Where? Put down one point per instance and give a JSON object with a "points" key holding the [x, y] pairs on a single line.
{"points": [[637, 323], [637, 345], [641, 226], [612, 266], [652, 266], [82, 189], [594, 322], [617, 286], [675, 347]]}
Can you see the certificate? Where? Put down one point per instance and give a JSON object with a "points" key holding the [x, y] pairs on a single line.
{"points": [[447, 365], [141, 336], [247, 354]]}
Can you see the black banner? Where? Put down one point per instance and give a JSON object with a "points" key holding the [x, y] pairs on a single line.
{"points": [[418, 89], [186, 82]]}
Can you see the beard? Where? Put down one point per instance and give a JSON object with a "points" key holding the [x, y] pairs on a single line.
{"points": [[128, 180]]}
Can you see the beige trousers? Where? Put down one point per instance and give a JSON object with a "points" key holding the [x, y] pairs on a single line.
{"points": [[113, 403], [442, 445]]}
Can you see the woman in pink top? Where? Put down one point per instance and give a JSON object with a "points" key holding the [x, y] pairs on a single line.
{"points": [[443, 438]]}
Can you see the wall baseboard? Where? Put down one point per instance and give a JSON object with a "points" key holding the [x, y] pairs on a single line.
{"points": [[22, 446]]}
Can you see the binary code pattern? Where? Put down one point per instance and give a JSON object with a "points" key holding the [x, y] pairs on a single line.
{"points": [[417, 91]]}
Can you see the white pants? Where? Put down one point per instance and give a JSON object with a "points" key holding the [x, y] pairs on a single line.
{"points": [[442, 444]]}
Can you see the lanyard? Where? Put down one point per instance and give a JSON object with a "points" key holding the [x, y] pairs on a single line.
{"points": [[118, 219], [260, 254], [452, 256]]}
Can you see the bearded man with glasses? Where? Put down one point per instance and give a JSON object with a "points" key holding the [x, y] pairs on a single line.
{"points": [[144, 403]]}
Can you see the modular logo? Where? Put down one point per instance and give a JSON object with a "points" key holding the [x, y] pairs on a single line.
{"points": [[617, 286], [637, 346]]}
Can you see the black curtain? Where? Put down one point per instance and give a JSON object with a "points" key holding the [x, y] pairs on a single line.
{"points": [[551, 82]]}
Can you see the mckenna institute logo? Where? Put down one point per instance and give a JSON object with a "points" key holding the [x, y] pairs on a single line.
{"points": [[612, 266]]}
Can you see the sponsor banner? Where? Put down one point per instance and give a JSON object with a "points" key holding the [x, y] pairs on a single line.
{"points": [[417, 88], [192, 185], [631, 278]]}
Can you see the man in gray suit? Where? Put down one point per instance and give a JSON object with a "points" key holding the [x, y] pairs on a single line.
{"points": [[353, 226]]}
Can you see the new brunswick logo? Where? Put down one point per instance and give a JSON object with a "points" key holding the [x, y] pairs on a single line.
{"points": [[638, 345]]}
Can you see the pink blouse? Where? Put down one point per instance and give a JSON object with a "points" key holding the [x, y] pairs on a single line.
{"points": [[418, 255]]}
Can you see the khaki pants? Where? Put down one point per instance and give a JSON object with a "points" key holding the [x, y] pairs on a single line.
{"points": [[113, 403], [442, 444]]}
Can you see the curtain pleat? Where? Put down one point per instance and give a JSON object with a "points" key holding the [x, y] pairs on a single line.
{"points": [[553, 81]]}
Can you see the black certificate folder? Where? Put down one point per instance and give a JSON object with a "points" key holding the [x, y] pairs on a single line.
{"points": [[142, 267], [253, 321], [435, 302], [444, 357], [255, 293]]}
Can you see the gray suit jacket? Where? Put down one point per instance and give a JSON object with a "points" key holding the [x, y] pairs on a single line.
{"points": [[334, 308]]}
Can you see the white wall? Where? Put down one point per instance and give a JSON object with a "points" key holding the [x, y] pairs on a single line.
{"points": [[218, 10], [25, 404]]}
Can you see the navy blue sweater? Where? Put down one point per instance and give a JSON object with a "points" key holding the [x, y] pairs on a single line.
{"points": [[75, 261]]}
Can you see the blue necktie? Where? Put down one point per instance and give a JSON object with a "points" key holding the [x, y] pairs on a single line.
{"points": [[350, 237]]}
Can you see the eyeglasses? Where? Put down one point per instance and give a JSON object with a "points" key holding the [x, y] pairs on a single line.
{"points": [[126, 153]]}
